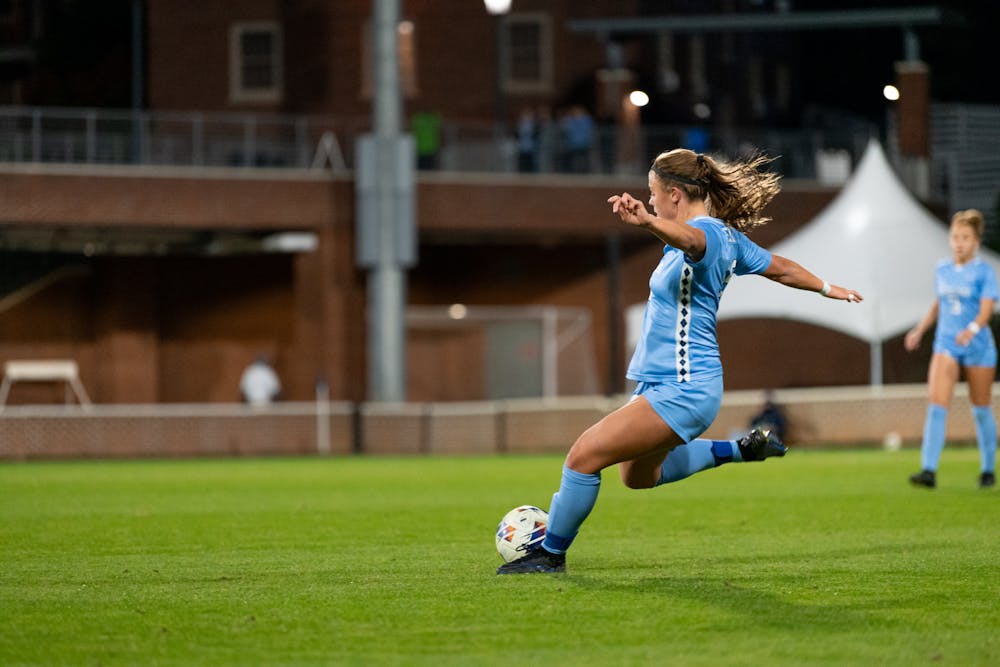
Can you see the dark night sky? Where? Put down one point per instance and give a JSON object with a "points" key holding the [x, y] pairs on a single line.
{"points": [[961, 55], [845, 70]]}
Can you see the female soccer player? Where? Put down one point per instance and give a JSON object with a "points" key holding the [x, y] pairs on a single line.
{"points": [[966, 290], [701, 206]]}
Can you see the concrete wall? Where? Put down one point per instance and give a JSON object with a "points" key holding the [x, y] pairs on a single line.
{"points": [[846, 416]]}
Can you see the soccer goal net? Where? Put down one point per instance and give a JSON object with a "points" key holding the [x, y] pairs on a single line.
{"points": [[459, 352]]}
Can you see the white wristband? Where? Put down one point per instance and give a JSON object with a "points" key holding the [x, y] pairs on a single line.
{"points": [[825, 290], [973, 327]]}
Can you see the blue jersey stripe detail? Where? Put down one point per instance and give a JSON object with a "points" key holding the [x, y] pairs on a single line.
{"points": [[685, 315]]}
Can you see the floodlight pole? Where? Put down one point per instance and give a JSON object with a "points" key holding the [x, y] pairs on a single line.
{"points": [[387, 278]]}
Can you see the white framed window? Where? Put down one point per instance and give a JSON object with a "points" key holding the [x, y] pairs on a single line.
{"points": [[527, 66], [255, 62]]}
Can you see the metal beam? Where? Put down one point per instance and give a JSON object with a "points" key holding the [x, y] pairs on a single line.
{"points": [[774, 22]]}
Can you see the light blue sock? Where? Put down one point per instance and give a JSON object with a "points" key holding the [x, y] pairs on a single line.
{"points": [[933, 444], [570, 506], [695, 456], [986, 436]]}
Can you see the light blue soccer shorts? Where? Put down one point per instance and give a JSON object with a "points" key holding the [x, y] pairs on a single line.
{"points": [[689, 408], [981, 351]]}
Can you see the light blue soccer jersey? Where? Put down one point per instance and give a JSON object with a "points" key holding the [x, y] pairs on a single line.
{"points": [[959, 290], [678, 341]]}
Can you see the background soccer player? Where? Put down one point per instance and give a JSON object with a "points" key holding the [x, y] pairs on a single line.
{"points": [[966, 290]]}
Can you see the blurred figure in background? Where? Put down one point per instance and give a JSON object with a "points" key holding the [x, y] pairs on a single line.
{"points": [[426, 126], [527, 141], [578, 136], [260, 384], [771, 417], [966, 294]]}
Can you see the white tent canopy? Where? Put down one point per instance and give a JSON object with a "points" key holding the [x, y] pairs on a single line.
{"points": [[875, 238]]}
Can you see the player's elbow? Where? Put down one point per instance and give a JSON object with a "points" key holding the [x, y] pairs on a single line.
{"points": [[780, 269], [777, 269]]}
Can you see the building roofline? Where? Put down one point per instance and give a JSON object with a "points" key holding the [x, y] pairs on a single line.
{"points": [[902, 17]]}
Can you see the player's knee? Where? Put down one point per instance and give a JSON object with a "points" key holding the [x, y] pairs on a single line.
{"points": [[579, 459], [584, 456]]}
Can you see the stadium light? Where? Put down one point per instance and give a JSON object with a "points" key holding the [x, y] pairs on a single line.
{"points": [[497, 7], [639, 98]]}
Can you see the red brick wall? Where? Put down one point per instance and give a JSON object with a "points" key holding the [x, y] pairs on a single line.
{"points": [[848, 416], [151, 197], [455, 45], [188, 50], [180, 329], [913, 109]]}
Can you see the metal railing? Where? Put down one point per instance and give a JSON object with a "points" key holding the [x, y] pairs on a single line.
{"points": [[110, 136], [256, 140], [965, 159]]}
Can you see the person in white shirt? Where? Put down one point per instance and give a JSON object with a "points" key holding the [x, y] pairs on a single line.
{"points": [[260, 384]]}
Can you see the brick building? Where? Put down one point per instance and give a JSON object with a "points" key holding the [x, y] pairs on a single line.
{"points": [[141, 295]]}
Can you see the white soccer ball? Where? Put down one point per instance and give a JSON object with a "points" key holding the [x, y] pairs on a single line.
{"points": [[892, 442], [520, 529]]}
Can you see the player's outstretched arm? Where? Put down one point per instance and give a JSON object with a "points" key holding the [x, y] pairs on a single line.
{"points": [[911, 341], [792, 274]]}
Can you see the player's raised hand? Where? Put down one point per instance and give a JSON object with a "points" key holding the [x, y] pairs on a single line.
{"points": [[628, 208]]}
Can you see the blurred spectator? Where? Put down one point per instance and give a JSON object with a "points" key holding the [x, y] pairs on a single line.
{"points": [[260, 384], [427, 135], [771, 417], [578, 135], [527, 141]]}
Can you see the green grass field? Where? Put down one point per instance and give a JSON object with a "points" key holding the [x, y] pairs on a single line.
{"points": [[820, 558]]}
